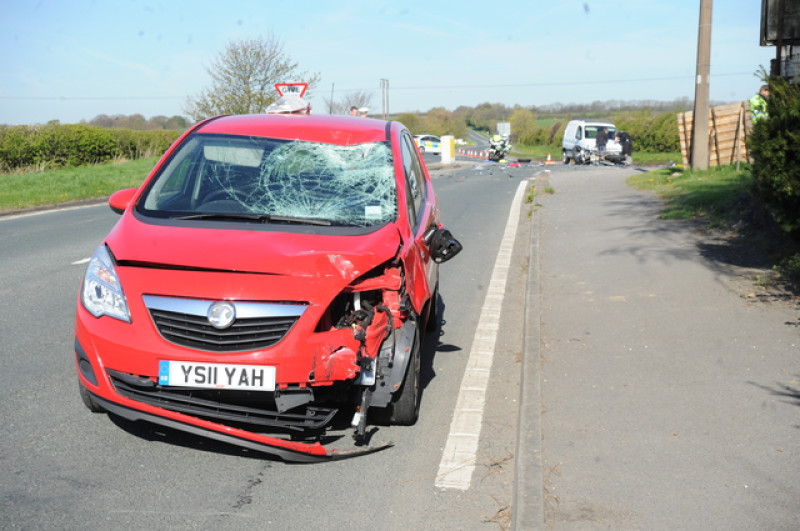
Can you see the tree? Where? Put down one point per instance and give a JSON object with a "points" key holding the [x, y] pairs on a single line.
{"points": [[358, 98], [412, 121], [486, 115], [176, 122], [243, 78], [439, 121], [523, 124]]}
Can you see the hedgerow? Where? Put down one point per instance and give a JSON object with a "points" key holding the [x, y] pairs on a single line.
{"points": [[656, 132], [773, 145], [651, 132], [59, 145]]}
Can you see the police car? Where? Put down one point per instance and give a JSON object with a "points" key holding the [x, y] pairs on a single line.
{"points": [[428, 144]]}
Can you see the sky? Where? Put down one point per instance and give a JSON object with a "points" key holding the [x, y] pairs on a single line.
{"points": [[71, 61]]}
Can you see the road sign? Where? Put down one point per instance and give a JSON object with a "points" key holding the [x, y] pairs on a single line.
{"points": [[295, 89]]}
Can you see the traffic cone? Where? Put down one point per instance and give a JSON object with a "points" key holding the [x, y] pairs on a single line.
{"points": [[549, 161]]}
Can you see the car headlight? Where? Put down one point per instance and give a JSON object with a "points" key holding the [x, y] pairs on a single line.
{"points": [[101, 293]]}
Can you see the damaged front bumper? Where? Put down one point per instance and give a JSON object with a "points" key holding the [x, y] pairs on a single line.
{"points": [[290, 451]]}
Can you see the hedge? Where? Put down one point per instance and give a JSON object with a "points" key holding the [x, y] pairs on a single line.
{"points": [[773, 145], [58, 145]]}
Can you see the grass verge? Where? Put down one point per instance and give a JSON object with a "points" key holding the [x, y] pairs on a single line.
{"points": [[718, 194], [19, 191], [722, 198]]}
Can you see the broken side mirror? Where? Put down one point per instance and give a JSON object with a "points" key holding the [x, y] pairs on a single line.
{"points": [[442, 244]]}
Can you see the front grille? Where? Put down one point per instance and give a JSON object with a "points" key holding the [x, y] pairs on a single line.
{"points": [[233, 408], [257, 325], [244, 334]]}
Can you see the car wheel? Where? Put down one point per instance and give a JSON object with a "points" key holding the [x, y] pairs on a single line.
{"points": [[405, 409], [578, 157], [88, 400], [422, 149], [564, 157]]}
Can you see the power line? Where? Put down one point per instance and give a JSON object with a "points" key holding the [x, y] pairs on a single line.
{"points": [[688, 77], [401, 87]]}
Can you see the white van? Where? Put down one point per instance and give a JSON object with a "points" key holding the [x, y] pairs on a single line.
{"points": [[580, 139]]}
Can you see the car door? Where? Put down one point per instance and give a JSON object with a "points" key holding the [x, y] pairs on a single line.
{"points": [[422, 272]]}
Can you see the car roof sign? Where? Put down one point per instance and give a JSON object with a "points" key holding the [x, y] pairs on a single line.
{"points": [[294, 89]]}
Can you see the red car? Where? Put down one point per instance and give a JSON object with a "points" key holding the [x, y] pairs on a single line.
{"points": [[272, 273]]}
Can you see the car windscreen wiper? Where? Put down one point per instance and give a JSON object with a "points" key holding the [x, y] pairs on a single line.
{"points": [[304, 221], [228, 216], [258, 218]]}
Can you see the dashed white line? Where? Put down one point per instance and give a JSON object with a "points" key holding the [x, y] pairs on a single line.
{"points": [[460, 451]]}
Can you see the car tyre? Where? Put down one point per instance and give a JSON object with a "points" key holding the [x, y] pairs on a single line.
{"points": [[405, 410], [422, 150], [88, 400], [564, 157]]}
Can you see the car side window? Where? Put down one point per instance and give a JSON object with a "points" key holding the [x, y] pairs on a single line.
{"points": [[578, 133], [415, 184]]}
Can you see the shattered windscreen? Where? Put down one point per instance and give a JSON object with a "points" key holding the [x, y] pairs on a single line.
{"points": [[276, 179]]}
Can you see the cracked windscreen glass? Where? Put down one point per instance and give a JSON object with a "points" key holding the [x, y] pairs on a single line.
{"points": [[268, 179]]}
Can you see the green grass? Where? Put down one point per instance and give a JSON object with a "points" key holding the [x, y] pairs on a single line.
{"points": [[716, 194], [645, 158], [530, 193], [54, 187]]}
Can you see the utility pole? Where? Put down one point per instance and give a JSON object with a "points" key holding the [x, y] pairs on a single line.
{"points": [[699, 160], [385, 97]]}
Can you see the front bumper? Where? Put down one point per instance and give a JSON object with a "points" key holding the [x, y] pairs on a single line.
{"points": [[290, 451], [219, 418]]}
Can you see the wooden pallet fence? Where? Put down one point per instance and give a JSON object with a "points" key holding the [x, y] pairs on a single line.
{"points": [[729, 128]]}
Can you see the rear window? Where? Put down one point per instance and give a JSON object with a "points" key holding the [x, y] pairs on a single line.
{"points": [[591, 130]]}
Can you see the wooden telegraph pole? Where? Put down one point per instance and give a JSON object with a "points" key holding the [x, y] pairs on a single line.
{"points": [[699, 159]]}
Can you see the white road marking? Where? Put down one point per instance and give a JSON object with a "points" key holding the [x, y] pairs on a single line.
{"points": [[458, 458], [48, 211]]}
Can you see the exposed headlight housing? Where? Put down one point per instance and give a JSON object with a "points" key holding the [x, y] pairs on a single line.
{"points": [[101, 293]]}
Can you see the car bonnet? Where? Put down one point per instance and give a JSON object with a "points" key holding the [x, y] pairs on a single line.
{"points": [[257, 251]]}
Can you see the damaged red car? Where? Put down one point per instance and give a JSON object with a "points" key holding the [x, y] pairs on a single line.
{"points": [[272, 273]]}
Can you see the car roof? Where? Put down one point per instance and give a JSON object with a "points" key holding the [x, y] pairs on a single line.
{"points": [[595, 122], [323, 128]]}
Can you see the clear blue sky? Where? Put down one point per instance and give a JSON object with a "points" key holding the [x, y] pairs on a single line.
{"points": [[72, 60]]}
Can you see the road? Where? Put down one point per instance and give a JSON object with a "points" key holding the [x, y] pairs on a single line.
{"points": [[62, 467], [665, 398]]}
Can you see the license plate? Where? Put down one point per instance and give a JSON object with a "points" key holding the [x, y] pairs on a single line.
{"points": [[216, 375]]}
